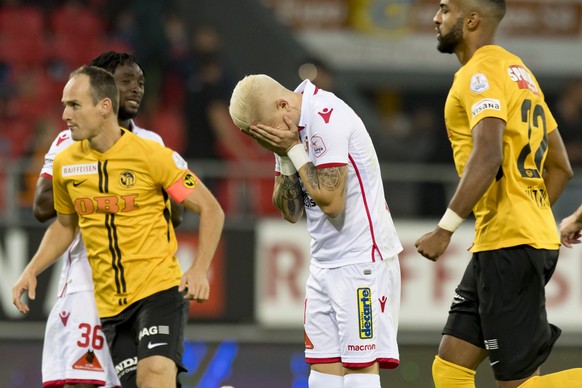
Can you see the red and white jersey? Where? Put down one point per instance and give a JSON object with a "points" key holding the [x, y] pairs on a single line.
{"points": [[334, 135], [76, 271]]}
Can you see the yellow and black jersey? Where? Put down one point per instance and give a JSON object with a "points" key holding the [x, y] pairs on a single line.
{"points": [[122, 200], [515, 209]]}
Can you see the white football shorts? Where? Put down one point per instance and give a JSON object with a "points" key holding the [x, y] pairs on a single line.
{"points": [[75, 350], [351, 314]]}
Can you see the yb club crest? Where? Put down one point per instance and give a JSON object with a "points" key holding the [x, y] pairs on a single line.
{"points": [[189, 181], [127, 179]]}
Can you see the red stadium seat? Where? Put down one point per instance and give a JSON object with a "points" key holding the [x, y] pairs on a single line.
{"points": [[17, 135], [169, 124], [38, 95], [74, 20], [22, 21], [74, 50], [20, 50]]}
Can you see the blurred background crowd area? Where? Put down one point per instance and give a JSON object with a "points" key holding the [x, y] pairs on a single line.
{"points": [[378, 55]]}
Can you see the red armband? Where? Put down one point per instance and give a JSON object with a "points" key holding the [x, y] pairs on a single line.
{"points": [[182, 188]]}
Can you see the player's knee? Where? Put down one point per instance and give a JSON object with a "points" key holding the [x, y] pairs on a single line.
{"points": [[156, 372], [448, 375], [362, 380]]}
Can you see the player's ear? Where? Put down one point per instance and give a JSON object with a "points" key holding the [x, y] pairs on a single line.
{"points": [[106, 105], [283, 105], [472, 21]]}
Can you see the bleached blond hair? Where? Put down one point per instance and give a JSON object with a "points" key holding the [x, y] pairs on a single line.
{"points": [[251, 99]]}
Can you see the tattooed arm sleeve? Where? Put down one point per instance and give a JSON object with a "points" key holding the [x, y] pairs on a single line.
{"points": [[326, 186], [288, 197]]}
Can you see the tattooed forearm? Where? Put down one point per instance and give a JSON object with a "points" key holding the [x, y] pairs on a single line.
{"points": [[329, 179], [326, 187], [311, 175], [288, 197]]}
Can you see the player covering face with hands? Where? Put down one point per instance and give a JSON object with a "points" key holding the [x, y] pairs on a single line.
{"points": [[326, 168]]}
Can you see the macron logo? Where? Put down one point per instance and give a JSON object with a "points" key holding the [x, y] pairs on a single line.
{"points": [[62, 138], [325, 114], [155, 345], [383, 301], [64, 317]]}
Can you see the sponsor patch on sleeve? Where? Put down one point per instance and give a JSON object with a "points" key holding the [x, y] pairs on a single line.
{"points": [[318, 146], [479, 83], [485, 104]]}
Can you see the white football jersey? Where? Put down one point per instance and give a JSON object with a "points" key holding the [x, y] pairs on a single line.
{"points": [[76, 271], [334, 135]]}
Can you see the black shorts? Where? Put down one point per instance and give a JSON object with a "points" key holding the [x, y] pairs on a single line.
{"points": [[500, 305], [153, 326]]}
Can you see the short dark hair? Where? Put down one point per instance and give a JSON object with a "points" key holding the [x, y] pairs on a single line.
{"points": [[499, 8], [102, 84], [110, 60]]}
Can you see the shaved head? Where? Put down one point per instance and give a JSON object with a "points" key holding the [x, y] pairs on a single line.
{"points": [[492, 8]]}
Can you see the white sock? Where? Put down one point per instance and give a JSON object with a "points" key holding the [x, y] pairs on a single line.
{"points": [[362, 380], [324, 380]]}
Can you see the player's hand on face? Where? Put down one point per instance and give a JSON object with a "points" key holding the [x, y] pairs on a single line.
{"points": [[196, 285], [432, 245], [276, 139], [260, 142], [26, 282]]}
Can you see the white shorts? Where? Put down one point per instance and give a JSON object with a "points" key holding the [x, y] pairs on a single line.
{"points": [[75, 350], [351, 314]]}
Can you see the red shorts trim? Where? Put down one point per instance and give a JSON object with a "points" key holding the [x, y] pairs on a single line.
{"points": [[388, 363], [330, 165], [322, 360], [61, 383]]}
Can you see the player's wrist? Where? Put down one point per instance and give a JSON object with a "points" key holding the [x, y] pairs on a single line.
{"points": [[450, 221], [298, 156], [287, 167]]}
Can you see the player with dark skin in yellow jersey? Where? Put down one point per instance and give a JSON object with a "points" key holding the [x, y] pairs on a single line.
{"points": [[513, 166], [113, 186]]}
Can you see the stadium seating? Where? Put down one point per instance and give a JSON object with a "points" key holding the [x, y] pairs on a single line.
{"points": [[25, 21]]}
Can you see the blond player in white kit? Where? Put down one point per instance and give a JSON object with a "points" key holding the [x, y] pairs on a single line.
{"points": [[326, 166], [75, 352]]}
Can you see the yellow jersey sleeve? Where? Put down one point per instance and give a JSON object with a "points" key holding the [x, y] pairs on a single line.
{"points": [[173, 173]]}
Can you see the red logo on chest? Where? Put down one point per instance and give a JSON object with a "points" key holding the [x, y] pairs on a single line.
{"points": [[325, 114]]}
